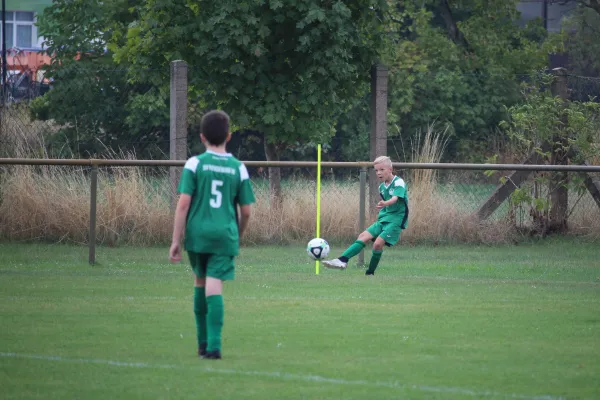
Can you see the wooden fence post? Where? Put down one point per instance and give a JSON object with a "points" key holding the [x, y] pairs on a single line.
{"points": [[93, 203], [378, 143], [178, 117]]}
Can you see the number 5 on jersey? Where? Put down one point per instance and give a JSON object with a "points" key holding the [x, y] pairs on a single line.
{"points": [[217, 200]]}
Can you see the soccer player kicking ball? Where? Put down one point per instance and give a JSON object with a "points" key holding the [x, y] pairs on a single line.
{"points": [[392, 218], [212, 187]]}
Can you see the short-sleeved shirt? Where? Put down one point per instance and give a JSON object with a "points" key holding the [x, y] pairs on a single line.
{"points": [[398, 212], [218, 183]]}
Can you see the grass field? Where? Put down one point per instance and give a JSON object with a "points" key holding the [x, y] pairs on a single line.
{"points": [[458, 322]]}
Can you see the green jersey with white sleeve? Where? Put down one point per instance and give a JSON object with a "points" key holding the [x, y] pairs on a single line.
{"points": [[396, 213], [217, 183]]}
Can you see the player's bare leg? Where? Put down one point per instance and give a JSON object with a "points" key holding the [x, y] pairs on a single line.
{"points": [[353, 250]]}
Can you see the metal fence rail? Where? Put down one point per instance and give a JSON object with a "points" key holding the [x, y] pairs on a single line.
{"points": [[305, 164]]}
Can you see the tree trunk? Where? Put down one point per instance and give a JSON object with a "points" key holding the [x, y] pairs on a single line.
{"points": [[559, 194], [271, 154], [451, 27], [559, 180], [378, 136]]}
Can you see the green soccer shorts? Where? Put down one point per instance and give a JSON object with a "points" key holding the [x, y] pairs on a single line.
{"points": [[212, 265], [388, 231]]}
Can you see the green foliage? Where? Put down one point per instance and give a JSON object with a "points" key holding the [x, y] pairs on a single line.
{"points": [[284, 68], [544, 123], [541, 118], [465, 78], [78, 28], [297, 71], [523, 196], [583, 41], [352, 137], [92, 99]]}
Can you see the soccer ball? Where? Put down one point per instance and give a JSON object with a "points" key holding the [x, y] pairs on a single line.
{"points": [[317, 248]]}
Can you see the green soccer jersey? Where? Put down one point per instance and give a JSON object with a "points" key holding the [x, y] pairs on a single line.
{"points": [[218, 183], [398, 212]]}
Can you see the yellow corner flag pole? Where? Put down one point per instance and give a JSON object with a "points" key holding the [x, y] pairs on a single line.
{"points": [[318, 200]]}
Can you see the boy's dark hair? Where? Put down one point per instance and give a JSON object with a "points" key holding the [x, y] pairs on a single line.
{"points": [[215, 127]]}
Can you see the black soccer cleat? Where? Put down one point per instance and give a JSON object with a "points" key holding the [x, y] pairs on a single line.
{"points": [[370, 272], [202, 350], [212, 355]]}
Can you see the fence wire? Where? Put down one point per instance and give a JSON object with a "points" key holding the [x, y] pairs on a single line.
{"points": [[583, 88]]}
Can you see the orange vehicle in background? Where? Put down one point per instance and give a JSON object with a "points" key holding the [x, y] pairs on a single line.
{"points": [[24, 73]]}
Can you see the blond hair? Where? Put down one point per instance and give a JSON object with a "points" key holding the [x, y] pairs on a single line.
{"points": [[383, 160]]}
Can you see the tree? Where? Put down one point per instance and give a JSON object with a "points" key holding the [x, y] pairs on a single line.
{"points": [[591, 4], [285, 68], [583, 43], [460, 63], [92, 100], [559, 131]]}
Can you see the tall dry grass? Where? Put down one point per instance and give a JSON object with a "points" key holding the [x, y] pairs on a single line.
{"points": [[585, 217], [51, 203], [583, 211], [20, 136], [296, 219], [436, 215]]}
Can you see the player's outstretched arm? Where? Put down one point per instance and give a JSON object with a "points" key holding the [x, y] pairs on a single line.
{"points": [[389, 202], [183, 206], [244, 218]]}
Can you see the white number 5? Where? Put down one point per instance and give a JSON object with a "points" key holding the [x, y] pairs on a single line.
{"points": [[215, 202]]}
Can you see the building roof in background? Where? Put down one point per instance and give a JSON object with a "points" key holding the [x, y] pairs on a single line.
{"points": [[27, 5]]}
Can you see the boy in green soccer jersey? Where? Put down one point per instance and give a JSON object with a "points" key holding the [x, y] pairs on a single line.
{"points": [[392, 218], [212, 187]]}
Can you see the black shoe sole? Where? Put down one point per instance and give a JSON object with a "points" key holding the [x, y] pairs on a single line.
{"points": [[212, 355]]}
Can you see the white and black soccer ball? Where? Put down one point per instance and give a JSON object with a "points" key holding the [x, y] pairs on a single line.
{"points": [[317, 249]]}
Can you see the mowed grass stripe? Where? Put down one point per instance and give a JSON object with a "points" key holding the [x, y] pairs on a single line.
{"points": [[493, 322]]}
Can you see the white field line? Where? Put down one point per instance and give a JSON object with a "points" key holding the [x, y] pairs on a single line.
{"points": [[283, 375]]}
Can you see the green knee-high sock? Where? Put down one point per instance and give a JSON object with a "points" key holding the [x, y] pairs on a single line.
{"points": [[200, 313], [214, 321], [353, 250], [375, 260]]}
